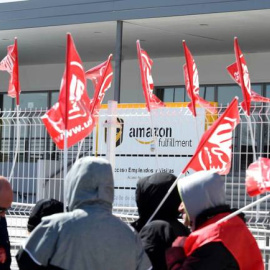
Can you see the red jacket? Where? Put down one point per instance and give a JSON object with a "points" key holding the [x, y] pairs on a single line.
{"points": [[233, 234]]}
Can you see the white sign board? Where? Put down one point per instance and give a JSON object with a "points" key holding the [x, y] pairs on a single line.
{"points": [[163, 142]]}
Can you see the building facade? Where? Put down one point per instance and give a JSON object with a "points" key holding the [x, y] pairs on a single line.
{"points": [[103, 27]]}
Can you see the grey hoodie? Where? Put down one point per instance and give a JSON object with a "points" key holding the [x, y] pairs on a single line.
{"points": [[201, 191], [88, 237]]}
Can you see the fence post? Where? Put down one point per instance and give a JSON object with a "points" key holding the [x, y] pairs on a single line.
{"points": [[111, 125]]}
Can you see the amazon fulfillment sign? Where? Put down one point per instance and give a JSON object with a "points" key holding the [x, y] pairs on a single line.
{"points": [[163, 142]]}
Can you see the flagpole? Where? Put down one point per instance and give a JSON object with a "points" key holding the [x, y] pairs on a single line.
{"points": [[254, 156], [197, 131], [243, 209], [65, 169], [252, 137], [155, 141], [66, 121], [17, 90], [79, 149], [17, 143]]}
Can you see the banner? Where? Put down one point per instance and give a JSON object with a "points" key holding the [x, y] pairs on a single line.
{"points": [[71, 112], [145, 64], [215, 148], [191, 76], [101, 77], [11, 64], [258, 177], [243, 77]]}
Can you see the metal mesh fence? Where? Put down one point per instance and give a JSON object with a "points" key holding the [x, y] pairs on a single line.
{"points": [[38, 170]]}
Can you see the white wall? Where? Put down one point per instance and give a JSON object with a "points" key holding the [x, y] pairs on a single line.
{"points": [[165, 71]]}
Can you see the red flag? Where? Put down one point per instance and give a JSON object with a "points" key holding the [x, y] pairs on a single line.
{"points": [[215, 148], [233, 71], [152, 101], [101, 77], [258, 98], [11, 64], [244, 79], [258, 177], [71, 112], [191, 76]]}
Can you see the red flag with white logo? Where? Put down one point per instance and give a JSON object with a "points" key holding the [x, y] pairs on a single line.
{"points": [[258, 177], [233, 71], [243, 77], [145, 63], [191, 76], [71, 112], [101, 77], [214, 151], [11, 64]]}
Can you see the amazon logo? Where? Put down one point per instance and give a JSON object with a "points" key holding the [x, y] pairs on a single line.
{"points": [[119, 132], [146, 135]]}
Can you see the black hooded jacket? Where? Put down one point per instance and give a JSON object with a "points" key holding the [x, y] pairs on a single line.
{"points": [[159, 234], [149, 193]]}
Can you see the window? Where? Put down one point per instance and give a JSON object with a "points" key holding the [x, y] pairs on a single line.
{"points": [[54, 98], [30, 100], [223, 94], [226, 93], [7, 102], [267, 94], [37, 100]]}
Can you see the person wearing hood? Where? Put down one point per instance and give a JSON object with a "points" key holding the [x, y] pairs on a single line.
{"points": [[43, 208], [211, 245], [88, 236], [158, 234], [149, 193]]}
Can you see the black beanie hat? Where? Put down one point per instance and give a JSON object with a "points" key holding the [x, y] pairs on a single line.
{"points": [[43, 208]]}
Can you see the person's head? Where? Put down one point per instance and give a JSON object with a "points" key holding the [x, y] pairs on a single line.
{"points": [[43, 208], [6, 195], [200, 191], [90, 181], [150, 192]]}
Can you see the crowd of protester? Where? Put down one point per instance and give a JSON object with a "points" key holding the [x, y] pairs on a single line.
{"points": [[184, 234]]}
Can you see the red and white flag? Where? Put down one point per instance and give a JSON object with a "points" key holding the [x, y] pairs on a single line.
{"points": [[11, 64], [152, 101], [233, 71], [191, 76], [101, 77], [214, 151], [243, 76], [258, 177], [71, 113]]}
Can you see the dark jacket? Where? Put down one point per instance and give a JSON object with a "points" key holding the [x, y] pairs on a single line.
{"points": [[159, 234], [89, 236], [4, 243], [149, 193]]}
